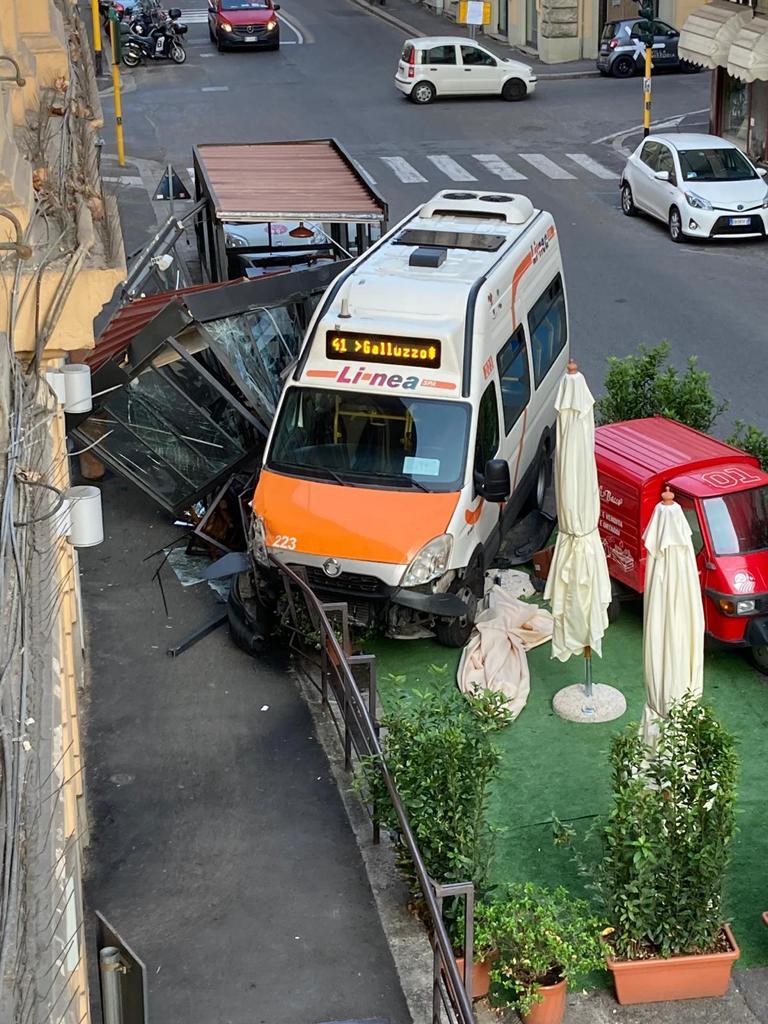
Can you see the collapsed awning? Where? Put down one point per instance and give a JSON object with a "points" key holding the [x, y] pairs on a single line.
{"points": [[748, 55], [709, 31]]}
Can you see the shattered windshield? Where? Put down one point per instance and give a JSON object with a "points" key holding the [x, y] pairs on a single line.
{"points": [[372, 439]]}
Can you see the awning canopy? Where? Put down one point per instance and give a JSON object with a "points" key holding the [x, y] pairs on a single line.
{"points": [[709, 31], [748, 55]]}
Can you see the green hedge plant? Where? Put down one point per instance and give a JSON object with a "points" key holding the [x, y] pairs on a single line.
{"points": [[641, 385], [538, 937], [667, 840], [750, 439]]}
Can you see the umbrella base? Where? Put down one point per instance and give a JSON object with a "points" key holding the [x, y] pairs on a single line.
{"points": [[605, 704]]}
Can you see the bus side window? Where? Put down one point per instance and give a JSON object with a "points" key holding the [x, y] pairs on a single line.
{"points": [[487, 442], [548, 328], [514, 377]]}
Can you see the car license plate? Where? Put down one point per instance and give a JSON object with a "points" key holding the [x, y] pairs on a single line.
{"points": [[250, 39], [739, 222]]}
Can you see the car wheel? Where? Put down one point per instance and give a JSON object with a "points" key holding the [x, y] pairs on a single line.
{"points": [[623, 67], [542, 478], [422, 93], [628, 207], [514, 89], [676, 225], [759, 658], [455, 632]]}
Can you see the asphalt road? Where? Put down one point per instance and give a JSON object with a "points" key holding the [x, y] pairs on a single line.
{"points": [[626, 281]]}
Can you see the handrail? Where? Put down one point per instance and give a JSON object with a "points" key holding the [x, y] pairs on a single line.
{"points": [[433, 893]]}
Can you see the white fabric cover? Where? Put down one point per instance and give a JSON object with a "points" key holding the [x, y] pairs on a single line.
{"points": [[494, 657], [708, 32], [578, 584], [673, 618], [748, 55]]}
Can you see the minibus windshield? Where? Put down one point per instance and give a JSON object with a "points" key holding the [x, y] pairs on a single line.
{"points": [[370, 439], [738, 523]]}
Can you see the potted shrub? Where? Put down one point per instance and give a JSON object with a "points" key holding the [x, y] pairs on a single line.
{"points": [[541, 937], [666, 845]]}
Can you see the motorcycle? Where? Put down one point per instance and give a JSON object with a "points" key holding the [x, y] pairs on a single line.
{"points": [[162, 43], [145, 15]]}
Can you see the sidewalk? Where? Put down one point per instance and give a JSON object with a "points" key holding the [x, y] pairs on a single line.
{"points": [[416, 19], [220, 848]]}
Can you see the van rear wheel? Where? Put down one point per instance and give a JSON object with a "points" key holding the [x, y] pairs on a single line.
{"points": [[455, 632], [759, 658]]}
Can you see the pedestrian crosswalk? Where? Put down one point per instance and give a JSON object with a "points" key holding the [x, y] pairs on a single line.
{"points": [[436, 167], [197, 17]]}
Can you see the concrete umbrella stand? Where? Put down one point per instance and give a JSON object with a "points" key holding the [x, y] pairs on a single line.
{"points": [[578, 584]]}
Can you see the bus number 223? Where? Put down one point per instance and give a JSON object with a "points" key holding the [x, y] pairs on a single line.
{"points": [[281, 541]]}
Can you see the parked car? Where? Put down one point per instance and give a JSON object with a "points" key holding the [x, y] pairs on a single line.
{"points": [[700, 185], [248, 23], [451, 66], [622, 49]]}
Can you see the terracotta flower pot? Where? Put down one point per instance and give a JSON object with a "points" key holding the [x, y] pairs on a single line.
{"points": [[765, 917], [481, 976], [677, 977], [551, 1009]]}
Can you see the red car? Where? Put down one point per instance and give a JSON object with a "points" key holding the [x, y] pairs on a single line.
{"points": [[724, 495], [247, 23]]}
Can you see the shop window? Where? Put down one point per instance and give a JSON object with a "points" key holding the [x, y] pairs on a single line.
{"points": [[758, 133], [735, 109]]}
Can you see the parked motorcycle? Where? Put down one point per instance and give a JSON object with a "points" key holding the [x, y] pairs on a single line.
{"points": [[162, 43], [146, 15]]}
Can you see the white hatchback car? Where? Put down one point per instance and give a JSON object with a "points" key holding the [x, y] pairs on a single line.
{"points": [[699, 185], [448, 66]]}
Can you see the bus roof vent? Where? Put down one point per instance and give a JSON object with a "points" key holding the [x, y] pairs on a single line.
{"points": [[427, 256], [504, 207]]}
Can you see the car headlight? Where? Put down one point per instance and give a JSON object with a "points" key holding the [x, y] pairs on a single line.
{"points": [[430, 562], [225, 26], [258, 544], [738, 607], [745, 607], [271, 24], [765, 200], [698, 202]]}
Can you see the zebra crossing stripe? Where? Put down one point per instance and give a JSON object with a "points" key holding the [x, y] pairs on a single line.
{"points": [[451, 168], [405, 172], [194, 17], [493, 163], [546, 166], [592, 165]]}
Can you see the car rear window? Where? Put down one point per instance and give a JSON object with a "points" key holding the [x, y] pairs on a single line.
{"points": [[609, 31], [407, 52]]}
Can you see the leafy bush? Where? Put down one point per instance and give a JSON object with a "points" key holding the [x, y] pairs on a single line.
{"points": [[443, 764], [666, 843], [641, 385], [538, 936], [751, 439]]}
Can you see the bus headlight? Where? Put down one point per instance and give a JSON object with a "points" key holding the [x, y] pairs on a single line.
{"points": [[430, 562], [259, 541]]}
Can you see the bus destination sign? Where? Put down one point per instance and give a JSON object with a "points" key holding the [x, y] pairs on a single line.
{"points": [[378, 348]]}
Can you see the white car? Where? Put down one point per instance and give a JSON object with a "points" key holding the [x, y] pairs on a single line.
{"points": [[450, 66], [700, 185]]}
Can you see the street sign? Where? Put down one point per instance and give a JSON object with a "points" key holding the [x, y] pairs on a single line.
{"points": [[170, 186], [474, 12]]}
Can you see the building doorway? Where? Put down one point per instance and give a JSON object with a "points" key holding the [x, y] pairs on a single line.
{"points": [[531, 24]]}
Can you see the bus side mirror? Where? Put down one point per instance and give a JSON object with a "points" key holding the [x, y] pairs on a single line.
{"points": [[497, 485]]}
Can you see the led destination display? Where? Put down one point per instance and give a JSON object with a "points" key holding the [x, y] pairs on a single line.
{"points": [[378, 348]]}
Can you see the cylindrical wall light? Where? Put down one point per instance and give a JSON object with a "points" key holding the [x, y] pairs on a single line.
{"points": [[77, 387], [57, 383], [85, 517]]}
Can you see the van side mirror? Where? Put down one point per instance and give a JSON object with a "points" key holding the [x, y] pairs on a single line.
{"points": [[497, 485]]}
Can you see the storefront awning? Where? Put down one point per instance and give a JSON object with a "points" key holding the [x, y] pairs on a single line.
{"points": [[709, 32], [748, 55]]}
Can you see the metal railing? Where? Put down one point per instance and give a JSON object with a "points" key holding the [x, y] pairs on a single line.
{"points": [[357, 726]]}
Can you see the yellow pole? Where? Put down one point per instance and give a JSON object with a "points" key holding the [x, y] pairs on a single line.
{"points": [[647, 91], [116, 85], [96, 35]]}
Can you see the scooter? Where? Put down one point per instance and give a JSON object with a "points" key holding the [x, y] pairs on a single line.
{"points": [[162, 43], [145, 16]]}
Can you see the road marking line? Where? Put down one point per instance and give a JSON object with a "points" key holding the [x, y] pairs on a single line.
{"points": [[368, 177], [405, 172], [449, 167], [289, 24], [546, 166], [194, 17], [215, 88], [493, 163], [592, 166], [191, 173], [667, 123], [123, 179]]}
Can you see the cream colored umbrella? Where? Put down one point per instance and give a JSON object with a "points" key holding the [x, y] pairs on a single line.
{"points": [[578, 584], [673, 616]]}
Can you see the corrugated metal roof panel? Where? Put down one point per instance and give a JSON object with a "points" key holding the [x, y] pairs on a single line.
{"points": [[287, 181]]}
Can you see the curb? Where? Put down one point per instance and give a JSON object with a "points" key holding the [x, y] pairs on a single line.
{"points": [[391, 19]]}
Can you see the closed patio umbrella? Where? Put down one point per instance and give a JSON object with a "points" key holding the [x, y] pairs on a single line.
{"points": [[673, 616], [578, 584]]}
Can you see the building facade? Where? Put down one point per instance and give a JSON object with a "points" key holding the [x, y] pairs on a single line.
{"points": [[731, 38], [61, 258]]}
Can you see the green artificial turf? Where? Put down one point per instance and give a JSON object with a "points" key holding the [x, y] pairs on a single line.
{"points": [[553, 766]]}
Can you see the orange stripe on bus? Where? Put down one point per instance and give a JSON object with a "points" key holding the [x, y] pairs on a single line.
{"points": [[321, 373], [472, 515]]}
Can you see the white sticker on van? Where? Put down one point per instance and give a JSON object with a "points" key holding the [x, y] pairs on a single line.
{"points": [[422, 467]]}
